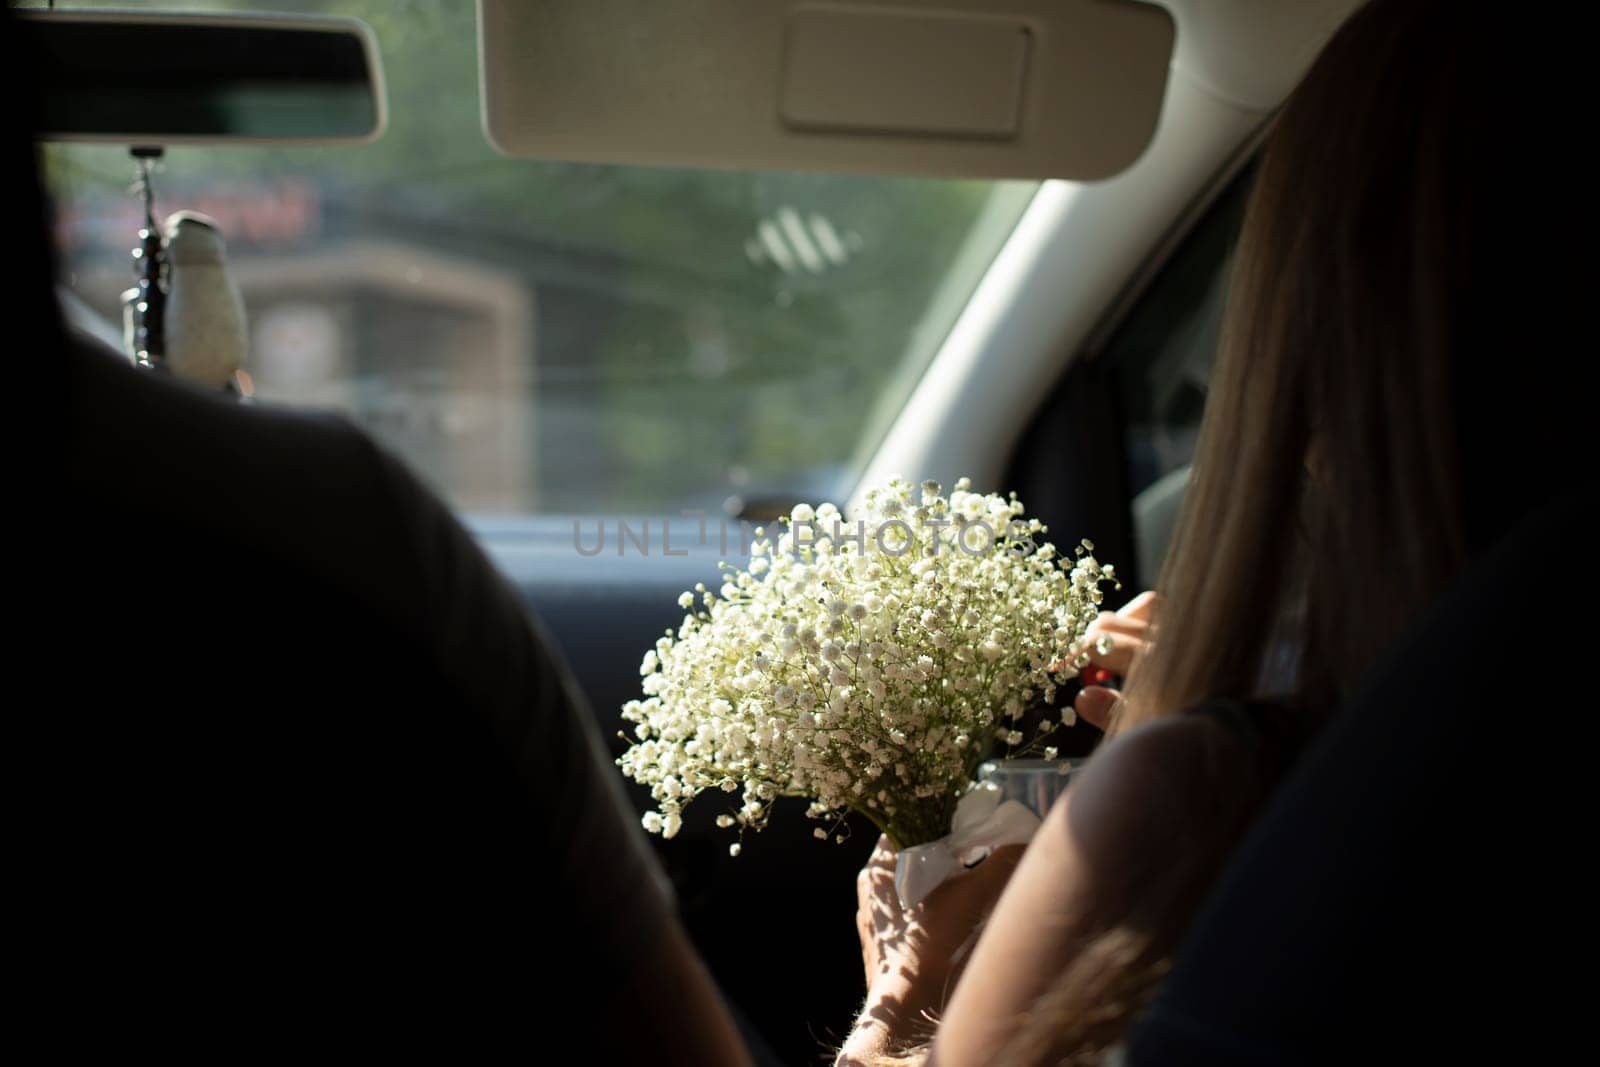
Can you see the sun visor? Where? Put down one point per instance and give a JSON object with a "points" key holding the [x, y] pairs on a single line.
{"points": [[1027, 89]]}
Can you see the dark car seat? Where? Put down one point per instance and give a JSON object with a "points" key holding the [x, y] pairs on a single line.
{"points": [[1413, 892]]}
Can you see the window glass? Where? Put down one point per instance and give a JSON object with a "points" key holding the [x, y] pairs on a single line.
{"points": [[1161, 355], [539, 337]]}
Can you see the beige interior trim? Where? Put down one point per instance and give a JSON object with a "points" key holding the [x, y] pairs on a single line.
{"points": [[968, 88], [1079, 247]]}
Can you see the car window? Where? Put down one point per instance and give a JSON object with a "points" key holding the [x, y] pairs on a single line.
{"points": [[1159, 361], [1161, 355], [552, 338]]}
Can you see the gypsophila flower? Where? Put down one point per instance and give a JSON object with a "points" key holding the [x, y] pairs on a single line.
{"points": [[853, 662]]}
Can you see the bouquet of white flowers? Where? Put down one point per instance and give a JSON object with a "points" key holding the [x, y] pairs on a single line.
{"points": [[868, 664]]}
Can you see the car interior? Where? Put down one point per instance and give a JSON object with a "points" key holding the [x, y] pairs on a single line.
{"points": [[622, 280]]}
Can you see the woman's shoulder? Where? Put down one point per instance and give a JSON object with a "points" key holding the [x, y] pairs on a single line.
{"points": [[1183, 774], [1199, 739], [1273, 733]]}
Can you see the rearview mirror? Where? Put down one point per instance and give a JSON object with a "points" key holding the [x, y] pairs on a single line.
{"points": [[205, 79]]}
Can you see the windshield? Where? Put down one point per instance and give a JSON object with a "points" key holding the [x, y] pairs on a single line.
{"points": [[543, 337]]}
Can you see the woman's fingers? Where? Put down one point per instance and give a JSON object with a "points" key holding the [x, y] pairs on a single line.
{"points": [[883, 854], [1111, 622], [876, 879], [991, 875], [956, 905], [1142, 607], [1095, 705], [879, 922], [1114, 639], [1113, 651], [1119, 645]]}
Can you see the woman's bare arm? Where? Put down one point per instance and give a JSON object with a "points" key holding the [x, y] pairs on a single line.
{"points": [[1116, 821]]}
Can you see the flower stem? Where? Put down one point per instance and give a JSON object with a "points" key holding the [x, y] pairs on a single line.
{"points": [[882, 827]]}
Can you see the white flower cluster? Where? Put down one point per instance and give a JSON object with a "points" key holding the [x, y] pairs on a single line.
{"points": [[868, 664]]}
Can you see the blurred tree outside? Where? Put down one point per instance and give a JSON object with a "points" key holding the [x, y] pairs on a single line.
{"points": [[674, 353]]}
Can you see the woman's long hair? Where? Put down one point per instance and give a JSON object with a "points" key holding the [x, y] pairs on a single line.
{"points": [[1328, 500], [1352, 455]]}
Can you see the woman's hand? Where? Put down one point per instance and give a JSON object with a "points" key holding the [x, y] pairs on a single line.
{"points": [[912, 957], [1113, 641]]}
